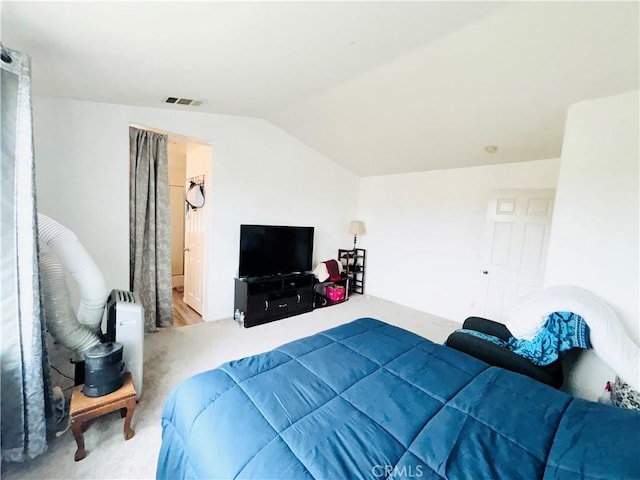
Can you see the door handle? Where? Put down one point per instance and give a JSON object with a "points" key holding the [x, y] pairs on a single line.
{"points": [[485, 272], [185, 249]]}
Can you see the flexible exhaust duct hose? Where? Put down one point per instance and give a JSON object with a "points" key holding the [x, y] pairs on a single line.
{"points": [[73, 256], [59, 315]]}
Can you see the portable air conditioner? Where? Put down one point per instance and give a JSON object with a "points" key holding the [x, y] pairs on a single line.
{"points": [[125, 325]]}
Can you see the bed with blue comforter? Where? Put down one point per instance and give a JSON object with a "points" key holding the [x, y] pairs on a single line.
{"points": [[370, 400]]}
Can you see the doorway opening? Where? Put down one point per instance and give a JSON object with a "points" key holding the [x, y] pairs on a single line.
{"points": [[189, 159], [189, 168]]}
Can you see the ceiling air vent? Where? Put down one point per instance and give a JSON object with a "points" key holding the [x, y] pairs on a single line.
{"points": [[183, 101]]}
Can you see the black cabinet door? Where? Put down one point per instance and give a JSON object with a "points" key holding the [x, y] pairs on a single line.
{"points": [[263, 308], [304, 300]]}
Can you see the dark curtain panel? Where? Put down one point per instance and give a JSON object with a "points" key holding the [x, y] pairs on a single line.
{"points": [[25, 381], [150, 227]]}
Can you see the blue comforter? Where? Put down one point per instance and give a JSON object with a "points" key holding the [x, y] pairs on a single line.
{"points": [[369, 400]]}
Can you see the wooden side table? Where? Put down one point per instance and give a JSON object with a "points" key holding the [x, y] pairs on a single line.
{"points": [[85, 408]]}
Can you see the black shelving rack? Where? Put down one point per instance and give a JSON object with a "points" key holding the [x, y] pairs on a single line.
{"points": [[354, 264]]}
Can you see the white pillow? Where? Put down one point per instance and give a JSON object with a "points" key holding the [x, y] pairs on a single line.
{"points": [[608, 337]]}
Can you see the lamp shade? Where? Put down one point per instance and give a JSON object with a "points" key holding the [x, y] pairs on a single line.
{"points": [[356, 227]]}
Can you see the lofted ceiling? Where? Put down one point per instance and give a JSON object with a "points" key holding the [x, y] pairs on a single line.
{"points": [[379, 87]]}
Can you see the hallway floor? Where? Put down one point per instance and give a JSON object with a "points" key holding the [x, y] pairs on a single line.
{"points": [[183, 314]]}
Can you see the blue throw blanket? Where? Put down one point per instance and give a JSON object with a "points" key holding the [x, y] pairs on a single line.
{"points": [[561, 332]]}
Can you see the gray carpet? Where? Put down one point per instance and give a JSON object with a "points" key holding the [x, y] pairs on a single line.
{"points": [[175, 354]]}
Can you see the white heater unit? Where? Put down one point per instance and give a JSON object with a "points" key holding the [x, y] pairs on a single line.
{"points": [[125, 325]]}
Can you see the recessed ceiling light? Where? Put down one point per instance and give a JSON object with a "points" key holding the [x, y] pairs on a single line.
{"points": [[491, 148]]}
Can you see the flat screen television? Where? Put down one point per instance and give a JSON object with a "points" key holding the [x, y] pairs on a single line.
{"points": [[267, 250]]}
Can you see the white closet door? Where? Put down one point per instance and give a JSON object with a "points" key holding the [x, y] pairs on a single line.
{"points": [[515, 252]]}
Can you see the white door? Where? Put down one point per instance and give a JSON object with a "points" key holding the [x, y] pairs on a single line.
{"points": [[515, 253], [194, 237]]}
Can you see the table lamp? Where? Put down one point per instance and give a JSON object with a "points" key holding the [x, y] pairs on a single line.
{"points": [[356, 228]]}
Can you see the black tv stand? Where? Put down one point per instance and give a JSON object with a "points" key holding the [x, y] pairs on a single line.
{"points": [[277, 276], [260, 300]]}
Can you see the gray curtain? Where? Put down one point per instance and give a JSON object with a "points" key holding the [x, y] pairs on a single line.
{"points": [[25, 380], [150, 227]]}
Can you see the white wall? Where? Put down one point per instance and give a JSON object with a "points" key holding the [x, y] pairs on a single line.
{"points": [[425, 232], [260, 175], [177, 155], [177, 158], [594, 237]]}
